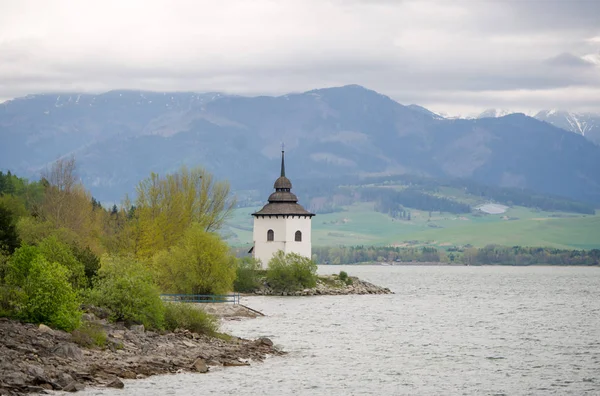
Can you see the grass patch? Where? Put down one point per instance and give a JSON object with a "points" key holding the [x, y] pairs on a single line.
{"points": [[359, 224], [185, 316], [90, 335]]}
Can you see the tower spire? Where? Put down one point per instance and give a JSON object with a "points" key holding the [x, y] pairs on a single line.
{"points": [[282, 160]]}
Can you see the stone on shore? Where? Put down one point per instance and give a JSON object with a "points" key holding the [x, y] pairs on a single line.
{"points": [[116, 383], [328, 286], [35, 360], [68, 351], [45, 329], [200, 366], [74, 387]]}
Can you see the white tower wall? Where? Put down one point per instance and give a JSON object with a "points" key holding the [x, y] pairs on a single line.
{"points": [[284, 228]]}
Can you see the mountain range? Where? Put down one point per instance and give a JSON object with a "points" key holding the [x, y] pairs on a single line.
{"points": [[119, 137], [584, 124]]}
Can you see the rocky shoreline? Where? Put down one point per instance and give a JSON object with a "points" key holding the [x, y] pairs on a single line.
{"points": [[38, 359], [329, 286]]}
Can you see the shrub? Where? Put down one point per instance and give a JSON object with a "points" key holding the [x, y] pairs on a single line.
{"points": [[12, 301], [50, 297], [90, 335], [345, 278], [200, 263], [54, 250], [91, 262], [4, 257], [126, 288], [19, 265], [9, 240], [247, 275], [291, 272], [187, 316]]}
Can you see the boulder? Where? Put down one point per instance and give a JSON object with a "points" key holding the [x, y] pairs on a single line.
{"points": [[15, 378], [116, 383], [74, 387], [127, 374], [137, 328], [34, 371], [265, 341], [45, 329], [235, 364], [200, 366], [68, 351], [64, 379], [88, 317]]}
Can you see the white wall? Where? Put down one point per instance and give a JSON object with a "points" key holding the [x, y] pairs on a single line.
{"points": [[285, 232]]}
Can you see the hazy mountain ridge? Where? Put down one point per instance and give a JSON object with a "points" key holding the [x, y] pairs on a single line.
{"points": [[584, 124], [120, 136]]}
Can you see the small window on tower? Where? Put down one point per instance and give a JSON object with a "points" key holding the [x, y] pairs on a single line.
{"points": [[298, 236], [270, 235]]}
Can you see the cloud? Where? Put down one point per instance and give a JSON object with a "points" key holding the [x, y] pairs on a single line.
{"points": [[413, 51], [569, 60]]}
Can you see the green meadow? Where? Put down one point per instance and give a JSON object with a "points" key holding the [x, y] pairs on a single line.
{"points": [[360, 224]]}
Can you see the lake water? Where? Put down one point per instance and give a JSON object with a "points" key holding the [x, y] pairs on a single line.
{"points": [[446, 331]]}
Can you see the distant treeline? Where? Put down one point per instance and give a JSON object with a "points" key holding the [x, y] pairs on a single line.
{"points": [[491, 254], [420, 194]]}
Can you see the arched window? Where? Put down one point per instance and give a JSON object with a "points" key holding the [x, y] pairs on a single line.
{"points": [[298, 236], [270, 235]]}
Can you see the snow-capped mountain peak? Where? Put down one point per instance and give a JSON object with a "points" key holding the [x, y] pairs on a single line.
{"points": [[495, 113], [585, 124]]}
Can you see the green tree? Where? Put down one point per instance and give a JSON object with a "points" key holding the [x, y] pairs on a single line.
{"points": [[167, 206], [54, 250], [50, 297], [9, 239], [126, 288], [91, 262], [19, 265], [247, 275], [291, 272], [200, 263]]}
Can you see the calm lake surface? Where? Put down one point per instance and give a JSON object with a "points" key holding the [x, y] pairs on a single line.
{"points": [[446, 331]]}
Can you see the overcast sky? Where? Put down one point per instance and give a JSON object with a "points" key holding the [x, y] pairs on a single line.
{"points": [[450, 56]]}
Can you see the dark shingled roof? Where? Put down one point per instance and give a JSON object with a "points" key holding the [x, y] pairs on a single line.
{"points": [[283, 208], [283, 201]]}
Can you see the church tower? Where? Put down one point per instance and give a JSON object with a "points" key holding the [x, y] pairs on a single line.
{"points": [[282, 224]]}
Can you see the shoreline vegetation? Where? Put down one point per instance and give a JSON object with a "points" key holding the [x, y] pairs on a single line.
{"points": [[80, 284], [467, 255]]}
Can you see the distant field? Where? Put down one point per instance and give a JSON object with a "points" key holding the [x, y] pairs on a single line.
{"points": [[359, 224]]}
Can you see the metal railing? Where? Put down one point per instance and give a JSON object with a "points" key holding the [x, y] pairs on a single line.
{"points": [[202, 298]]}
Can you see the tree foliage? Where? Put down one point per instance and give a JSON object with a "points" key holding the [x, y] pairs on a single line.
{"points": [[19, 265], [247, 277], [54, 232], [167, 206], [291, 272], [127, 289], [9, 239], [491, 254], [54, 250], [67, 205], [200, 263], [50, 297]]}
